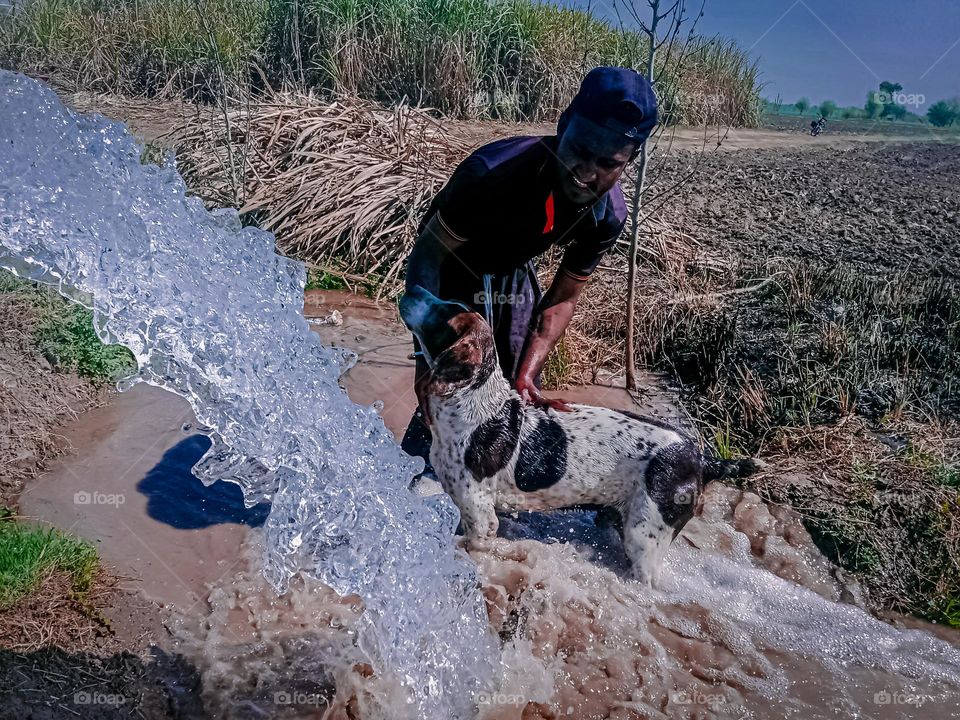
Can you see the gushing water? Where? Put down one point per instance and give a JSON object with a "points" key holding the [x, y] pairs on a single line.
{"points": [[212, 313]]}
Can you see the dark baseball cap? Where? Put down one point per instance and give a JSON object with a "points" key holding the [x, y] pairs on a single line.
{"points": [[619, 99]]}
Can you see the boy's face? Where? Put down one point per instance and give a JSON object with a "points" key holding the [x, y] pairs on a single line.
{"points": [[590, 160]]}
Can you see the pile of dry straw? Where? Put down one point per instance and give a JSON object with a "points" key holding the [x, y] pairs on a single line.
{"points": [[341, 184]]}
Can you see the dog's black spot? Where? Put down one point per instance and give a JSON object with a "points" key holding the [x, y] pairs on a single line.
{"points": [[492, 443], [542, 461], [644, 450], [451, 373]]}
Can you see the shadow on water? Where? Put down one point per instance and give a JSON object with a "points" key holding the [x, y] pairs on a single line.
{"points": [[177, 498], [600, 542]]}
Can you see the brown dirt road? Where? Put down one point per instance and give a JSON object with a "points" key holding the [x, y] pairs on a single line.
{"points": [[151, 120]]}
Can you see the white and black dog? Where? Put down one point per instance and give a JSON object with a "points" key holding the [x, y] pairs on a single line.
{"points": [[492, 452]]}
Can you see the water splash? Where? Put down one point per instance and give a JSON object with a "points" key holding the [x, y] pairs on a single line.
{"points": [[212, 313]]}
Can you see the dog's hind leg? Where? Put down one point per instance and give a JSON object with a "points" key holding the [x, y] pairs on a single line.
{"points": [[646, 538]]}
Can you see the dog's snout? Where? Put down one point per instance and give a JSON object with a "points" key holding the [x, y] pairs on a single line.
{"points": [[432, 320], [422, 310], [414, 309]]}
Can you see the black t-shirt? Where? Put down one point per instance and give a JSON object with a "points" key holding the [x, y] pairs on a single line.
{"points": [[501, 202]]}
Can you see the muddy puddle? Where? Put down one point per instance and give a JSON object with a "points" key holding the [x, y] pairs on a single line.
{"points": [[751, 621]]}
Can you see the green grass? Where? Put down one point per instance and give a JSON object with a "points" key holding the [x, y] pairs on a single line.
{"points": [[28, 553], [948, 611], [512, 59], [941, 472], [64, 334], [323, 280], [723, 443], [558, 370], [67, 338]]}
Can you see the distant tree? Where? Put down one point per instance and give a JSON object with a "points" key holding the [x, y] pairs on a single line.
{"points": [[895, 112], [850, 113], [873, 107], [944, 112], [888, 98], [772, 106], [890, 89], [802, 105], [828, 108]]}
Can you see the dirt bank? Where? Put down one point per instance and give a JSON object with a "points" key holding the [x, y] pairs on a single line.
{"points": [[125, 671], [34, 399]]}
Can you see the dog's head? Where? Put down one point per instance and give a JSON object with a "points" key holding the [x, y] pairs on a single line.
{"points": [[457, 343]]}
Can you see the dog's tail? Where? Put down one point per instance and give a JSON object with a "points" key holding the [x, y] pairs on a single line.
{"points": [[716, 469]]}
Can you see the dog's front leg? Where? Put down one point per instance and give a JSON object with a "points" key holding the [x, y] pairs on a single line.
{"points": [[476, 501]]}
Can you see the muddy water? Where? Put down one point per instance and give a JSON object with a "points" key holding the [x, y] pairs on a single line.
{"points": [[751, 621]]}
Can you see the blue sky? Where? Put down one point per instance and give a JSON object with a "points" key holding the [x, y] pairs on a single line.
{"points": [[839, 49]]}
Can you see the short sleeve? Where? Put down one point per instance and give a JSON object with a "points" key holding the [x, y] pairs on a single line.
{"points": [[584, 254], [464, 203]]}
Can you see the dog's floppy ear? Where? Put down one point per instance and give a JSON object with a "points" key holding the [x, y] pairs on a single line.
{"points": [[469, 360]]}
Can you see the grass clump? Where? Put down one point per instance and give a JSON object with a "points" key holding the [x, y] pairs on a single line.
{"points": [[875, 510], [324, 280], [850, 381], [512, 59], [845, 343], [66, 337], [28, 554], [142, 48], [64, 333]]}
